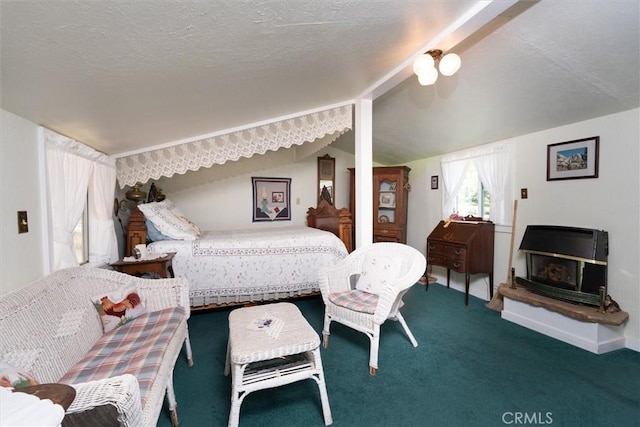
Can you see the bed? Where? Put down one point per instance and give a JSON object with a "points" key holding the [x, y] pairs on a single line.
{"points": [[240, 266]]}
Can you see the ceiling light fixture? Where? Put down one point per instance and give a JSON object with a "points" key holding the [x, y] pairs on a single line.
{"points": [[425, 66]]}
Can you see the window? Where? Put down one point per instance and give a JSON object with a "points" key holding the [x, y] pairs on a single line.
{"points": [[81, 237], [470, 195], [478, 182]]}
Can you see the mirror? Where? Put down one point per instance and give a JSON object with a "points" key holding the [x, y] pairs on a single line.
{"points": [[326, 178]]}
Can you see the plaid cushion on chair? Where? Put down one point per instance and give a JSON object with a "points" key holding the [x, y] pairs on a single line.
{"points": [[355, 300]]}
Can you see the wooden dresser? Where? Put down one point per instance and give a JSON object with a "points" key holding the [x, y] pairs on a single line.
{"points": [[465, 247]]}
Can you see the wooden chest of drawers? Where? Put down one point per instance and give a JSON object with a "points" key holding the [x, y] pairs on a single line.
{"points": [[465, 247]]}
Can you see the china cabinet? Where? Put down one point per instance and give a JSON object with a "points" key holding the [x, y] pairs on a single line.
{"points": [[390, 193]]}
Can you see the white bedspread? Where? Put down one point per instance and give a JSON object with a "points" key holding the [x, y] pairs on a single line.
{"points": [[248, 265]]}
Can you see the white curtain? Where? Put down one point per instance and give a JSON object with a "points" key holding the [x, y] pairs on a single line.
{"points": [[103, 244], [452, 174], [493, 163], [68, 179], [70, 167], [494, 170]]}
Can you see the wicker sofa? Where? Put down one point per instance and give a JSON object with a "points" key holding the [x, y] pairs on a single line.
{"points": [[51, 327]]}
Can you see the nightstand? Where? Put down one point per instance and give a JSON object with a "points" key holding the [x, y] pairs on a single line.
{"points": [[162, 266]]}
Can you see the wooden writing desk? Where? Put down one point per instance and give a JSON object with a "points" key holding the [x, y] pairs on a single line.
{"points": [[465, 247]]}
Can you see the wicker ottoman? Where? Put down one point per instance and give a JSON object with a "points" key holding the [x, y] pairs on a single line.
{"points": [[271, 345]]}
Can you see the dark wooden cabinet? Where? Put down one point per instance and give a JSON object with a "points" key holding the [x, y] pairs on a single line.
{"points": [[465, 247], [163, 267], [390, 194]]}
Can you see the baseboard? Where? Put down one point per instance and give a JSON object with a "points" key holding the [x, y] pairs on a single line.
{"points": [[633, 344], [593, 337]]}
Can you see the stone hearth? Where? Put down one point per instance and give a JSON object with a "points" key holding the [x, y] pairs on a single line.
{"points": [[580, 325]]}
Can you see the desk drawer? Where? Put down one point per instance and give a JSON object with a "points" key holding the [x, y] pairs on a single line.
{"points": [[449, 256], [443, 261], [447, 250]]}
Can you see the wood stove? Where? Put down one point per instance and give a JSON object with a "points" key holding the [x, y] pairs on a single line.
{"points": [[566, 263]]}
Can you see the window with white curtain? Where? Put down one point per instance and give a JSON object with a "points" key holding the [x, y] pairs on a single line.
{"points": [[81, 186], [478, 182]]}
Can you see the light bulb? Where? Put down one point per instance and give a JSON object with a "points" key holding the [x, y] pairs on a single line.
{"points": [[450, 64], [423, 62], [428, 77]]}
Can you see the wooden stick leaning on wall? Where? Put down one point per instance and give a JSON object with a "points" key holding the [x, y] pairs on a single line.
{"points": [[497, 302]]}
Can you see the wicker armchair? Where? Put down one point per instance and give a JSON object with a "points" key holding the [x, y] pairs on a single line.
{"points": [[366, 288]]}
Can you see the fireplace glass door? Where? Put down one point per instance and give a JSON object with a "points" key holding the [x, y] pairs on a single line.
{"points": [[555, 271]]}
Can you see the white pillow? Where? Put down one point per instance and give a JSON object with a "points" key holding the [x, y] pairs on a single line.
{"points": [[169, 221], [377, 272]]}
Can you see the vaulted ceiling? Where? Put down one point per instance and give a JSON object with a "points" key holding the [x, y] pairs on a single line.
{"points": [[122, 76]]}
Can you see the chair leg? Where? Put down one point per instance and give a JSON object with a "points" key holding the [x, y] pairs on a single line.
{"points": [[406, 329], [187, 347], [373, 352], [325, 331], [171, 399]]}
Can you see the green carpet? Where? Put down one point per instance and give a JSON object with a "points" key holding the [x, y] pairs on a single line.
{"points": [[471, 368]]}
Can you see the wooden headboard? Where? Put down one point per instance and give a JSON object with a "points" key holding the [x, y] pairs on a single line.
{"points": [[337, 221], [136, 231]]}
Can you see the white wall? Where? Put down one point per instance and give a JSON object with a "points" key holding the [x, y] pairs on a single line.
{"points": [[22, 255], [227, 204], [611, 202]]}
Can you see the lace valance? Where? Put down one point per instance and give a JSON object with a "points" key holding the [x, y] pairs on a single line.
{"points": [[191, 156], [56, 142]]}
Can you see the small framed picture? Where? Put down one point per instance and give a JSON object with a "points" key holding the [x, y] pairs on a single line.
{"points": [[434, 182]]}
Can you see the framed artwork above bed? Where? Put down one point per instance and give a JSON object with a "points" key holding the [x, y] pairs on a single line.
{"points": [[271, 199]]}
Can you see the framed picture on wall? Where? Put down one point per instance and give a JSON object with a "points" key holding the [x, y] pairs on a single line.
{"points": [[434, 182], [271, 199], [573, 159]]}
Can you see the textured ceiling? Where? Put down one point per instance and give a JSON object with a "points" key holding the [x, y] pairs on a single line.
{"points": [[553, 64], [124, 75]]}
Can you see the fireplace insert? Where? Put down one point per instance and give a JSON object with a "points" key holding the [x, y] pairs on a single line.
{"points": [[566, 263]]}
